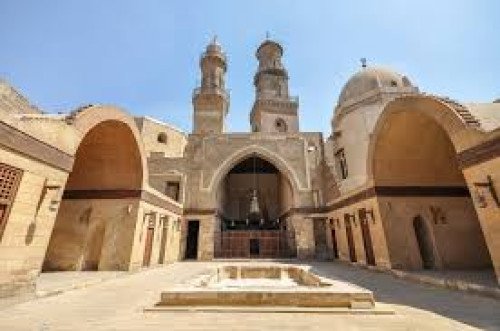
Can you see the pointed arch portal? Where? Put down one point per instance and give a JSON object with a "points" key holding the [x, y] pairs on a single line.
{"points": [[251, 199]]}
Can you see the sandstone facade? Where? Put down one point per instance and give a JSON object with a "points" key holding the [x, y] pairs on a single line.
{"points": [[405, 180]]}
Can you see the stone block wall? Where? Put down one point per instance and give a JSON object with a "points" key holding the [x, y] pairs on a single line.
{"points": [[30, 221], [336, 221], [485, 204], [93, 234], [453, 229], [172, 251]]}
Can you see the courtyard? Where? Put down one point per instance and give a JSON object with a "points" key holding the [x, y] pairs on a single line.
{"points": [[116, 301]]}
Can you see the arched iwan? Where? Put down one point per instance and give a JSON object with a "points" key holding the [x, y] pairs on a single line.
{"points": [[259, 151]]}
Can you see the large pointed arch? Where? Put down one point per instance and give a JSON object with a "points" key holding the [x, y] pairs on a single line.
{"points": [[461, 135], [95, 215], [89, 117], [255, 150], [414, 167]]}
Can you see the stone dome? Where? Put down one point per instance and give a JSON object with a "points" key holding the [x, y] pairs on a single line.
{"points": [[373, 78]]}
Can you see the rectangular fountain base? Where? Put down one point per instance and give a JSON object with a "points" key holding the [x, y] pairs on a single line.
{"points": [[266, 286]]}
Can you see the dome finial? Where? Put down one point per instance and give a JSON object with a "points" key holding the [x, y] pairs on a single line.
{"points": [[363, 62], [268, 35], [214, 40]]}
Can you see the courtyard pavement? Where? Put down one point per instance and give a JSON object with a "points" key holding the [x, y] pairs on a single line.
{"points": [[118, 302]]}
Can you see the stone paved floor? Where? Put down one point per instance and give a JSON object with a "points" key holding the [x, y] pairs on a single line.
{"points": [[50, 282], [117, 304], [481, 277]]}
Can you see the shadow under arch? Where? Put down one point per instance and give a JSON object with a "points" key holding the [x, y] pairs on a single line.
{"points": [[440, 112], [252, 200], [94, 227], [89, 117], [412, 163], [261, 152]]}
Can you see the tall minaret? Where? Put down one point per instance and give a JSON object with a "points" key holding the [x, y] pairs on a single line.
{"points": [[211, 99], [273, 110]]}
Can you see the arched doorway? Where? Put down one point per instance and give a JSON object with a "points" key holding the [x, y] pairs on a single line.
{"points": [[252, 202], [415, 172], [424, 242], [94, 228]]}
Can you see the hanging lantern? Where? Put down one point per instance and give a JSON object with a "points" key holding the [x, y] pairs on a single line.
{"points": [[254, 204]]}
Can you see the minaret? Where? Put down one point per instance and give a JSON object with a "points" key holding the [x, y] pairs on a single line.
{"points": [[211, 99], [273, 110]]}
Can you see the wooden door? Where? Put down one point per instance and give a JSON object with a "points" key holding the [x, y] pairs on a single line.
{"points": [[148, 248], [192, 240], [334, 244], [367, 238], [350, 238], [320, 245]]}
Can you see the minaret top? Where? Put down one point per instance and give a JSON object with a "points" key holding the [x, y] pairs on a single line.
{"points": [[269, 46], [211, 99], [214, 46], [274, 110]]}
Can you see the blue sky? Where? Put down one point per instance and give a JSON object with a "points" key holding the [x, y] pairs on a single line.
{"points": [[143, 55]]}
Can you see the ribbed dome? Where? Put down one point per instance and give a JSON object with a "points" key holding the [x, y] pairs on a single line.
{"points": [[372, 78]]}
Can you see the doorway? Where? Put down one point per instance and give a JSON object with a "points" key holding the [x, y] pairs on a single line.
{"points": [[148, 248], [254, 247], [93, 248], [192, 240], [319, 228], [350, 238], [334, 245], [424, 242], [367, 238]]}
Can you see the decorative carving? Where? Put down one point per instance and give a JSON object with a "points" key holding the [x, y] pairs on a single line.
{"points": [[438, 215], [490, 186], [85, 216]]}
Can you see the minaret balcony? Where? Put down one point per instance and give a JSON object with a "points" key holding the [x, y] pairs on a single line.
{"points": [[211, 91], [273, 97]]}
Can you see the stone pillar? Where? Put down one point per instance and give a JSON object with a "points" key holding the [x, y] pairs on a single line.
{"points": [[304, 236], [217, 237], [206, 238]]}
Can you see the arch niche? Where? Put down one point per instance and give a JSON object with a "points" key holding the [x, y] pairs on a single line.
{"points": [[248, 175], [413, 165], [95, 225]]}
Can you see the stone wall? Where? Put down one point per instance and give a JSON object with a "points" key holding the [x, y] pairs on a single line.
{"points": [[172, 253], [92, 234], [486, 206], [161, 139], [30, 221], [337, 221], [453, 227]]}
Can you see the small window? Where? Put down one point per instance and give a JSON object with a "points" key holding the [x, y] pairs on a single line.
{"points": [[394, 83], [162, 138], [280, 125], [172, 190], [341, 163], [10, 178]]}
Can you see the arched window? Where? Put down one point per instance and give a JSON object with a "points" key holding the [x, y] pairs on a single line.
{"points": [[280, 125], [162, 138]]}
